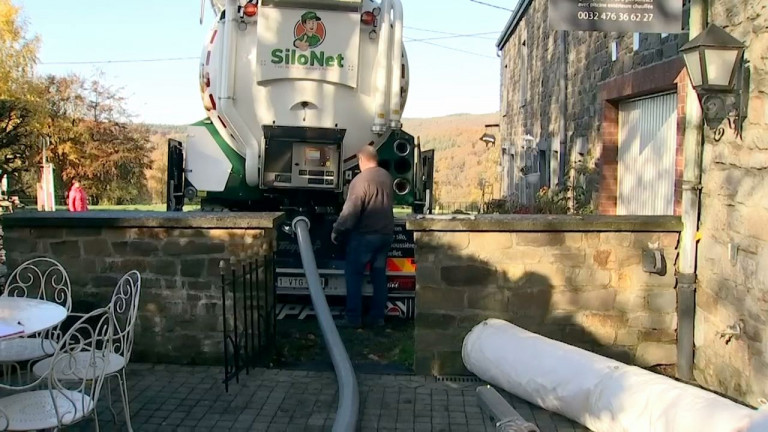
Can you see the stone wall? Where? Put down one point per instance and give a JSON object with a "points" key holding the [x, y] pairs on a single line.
{"points": [[177, 254], [734, 208], [578, 280]]}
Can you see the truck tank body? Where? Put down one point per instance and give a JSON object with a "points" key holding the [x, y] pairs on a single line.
{"points": [[293, 89]]}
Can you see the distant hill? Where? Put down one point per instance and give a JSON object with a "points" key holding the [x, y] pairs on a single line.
{"points": [[167, 128], [462, 161]]}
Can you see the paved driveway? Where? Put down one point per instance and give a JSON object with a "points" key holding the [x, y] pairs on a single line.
{"points": [[182, 398]]}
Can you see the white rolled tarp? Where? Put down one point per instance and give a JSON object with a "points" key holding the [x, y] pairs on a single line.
{"points": [[600, 393]]}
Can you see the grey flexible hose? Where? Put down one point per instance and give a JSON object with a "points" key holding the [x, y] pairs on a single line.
{"points": [[349, 399]]}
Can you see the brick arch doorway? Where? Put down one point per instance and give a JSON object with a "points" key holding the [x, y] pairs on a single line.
{"points": [[646, 155], [655, 81]]}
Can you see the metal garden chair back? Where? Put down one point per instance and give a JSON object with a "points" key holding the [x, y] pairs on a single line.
{"points": [[53, 402]]}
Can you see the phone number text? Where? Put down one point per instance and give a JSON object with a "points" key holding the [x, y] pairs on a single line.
{"points": [[614, 16]]}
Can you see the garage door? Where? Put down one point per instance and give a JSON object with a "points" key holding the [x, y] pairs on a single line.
{"points": [[647, 144]]}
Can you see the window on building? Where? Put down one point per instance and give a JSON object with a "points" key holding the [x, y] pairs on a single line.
{"points": [[524, 74], [510, 176], [543, 168], [636, 42], [531, 163], [614, 50], [554, 168]]}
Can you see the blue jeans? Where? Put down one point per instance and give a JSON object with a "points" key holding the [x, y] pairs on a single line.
{"points": [[361, 250]]}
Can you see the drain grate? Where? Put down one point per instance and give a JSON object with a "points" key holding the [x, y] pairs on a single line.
{"points": [[458, 379]]}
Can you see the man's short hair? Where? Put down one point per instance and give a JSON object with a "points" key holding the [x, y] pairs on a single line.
{"points": [[368, 153]]}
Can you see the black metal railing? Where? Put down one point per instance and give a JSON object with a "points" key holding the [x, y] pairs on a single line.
{"points": [[249, 316]]}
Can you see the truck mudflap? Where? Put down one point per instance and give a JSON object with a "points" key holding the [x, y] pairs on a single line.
{"points": [[293, 291]]}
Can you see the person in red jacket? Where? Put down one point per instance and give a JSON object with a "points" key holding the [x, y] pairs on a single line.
{"points": [[77, 201]]}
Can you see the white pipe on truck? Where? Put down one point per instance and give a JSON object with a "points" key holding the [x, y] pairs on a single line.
{"points": [[602, 394], [395, 99], [226, 106], [382, 68]]}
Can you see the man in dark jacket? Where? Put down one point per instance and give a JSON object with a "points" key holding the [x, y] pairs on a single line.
{"points": [[367, 222]]}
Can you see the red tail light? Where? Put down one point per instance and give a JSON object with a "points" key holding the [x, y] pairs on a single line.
{"points": [[368, 18], [250, 9]]}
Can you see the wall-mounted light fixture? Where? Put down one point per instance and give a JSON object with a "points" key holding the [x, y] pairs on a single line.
{"points": [[719, 74], [488, 139]]}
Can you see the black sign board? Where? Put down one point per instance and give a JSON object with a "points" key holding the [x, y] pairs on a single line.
{"points": [[623, 16], [402, 244]]}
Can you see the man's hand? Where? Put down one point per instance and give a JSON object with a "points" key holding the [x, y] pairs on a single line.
{"points": [[334, 238]]}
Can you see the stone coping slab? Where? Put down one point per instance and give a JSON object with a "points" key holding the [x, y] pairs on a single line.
{"points": [[141, 219], [542, 223]]}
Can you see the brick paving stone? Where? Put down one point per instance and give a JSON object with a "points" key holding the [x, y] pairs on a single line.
{"points": [[185, 398]]}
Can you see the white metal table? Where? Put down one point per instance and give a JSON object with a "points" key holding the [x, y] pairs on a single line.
{"points": [[29, 315]]}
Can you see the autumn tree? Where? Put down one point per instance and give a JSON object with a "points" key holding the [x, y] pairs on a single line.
{"points": [[19, 131], [86, 122], [19, 52], [21, 104], [94, 140]]}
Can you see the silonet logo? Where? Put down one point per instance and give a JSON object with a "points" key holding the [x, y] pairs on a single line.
{"points": [[309, 31]]}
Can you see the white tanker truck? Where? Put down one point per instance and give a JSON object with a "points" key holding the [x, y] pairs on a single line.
{"points": [[293, 89]]}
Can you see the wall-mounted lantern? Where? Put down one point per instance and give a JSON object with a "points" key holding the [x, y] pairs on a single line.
{"points": [[718, 72], [488, 139]]}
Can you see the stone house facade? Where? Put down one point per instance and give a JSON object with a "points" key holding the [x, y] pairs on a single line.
{"points": [[549, 107], [588, 106]]}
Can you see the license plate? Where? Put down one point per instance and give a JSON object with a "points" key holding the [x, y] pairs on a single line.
{"points": [[297, 282]]}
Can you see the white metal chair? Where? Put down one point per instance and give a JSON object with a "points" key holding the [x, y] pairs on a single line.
{"points": [[39, 278], [124, 306], [55, 403]]}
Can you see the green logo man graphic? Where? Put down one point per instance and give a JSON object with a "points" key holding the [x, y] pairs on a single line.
{"points": [[309, 32]]}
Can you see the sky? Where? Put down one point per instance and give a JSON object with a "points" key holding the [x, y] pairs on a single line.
{"points": [[92, 37]]}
